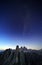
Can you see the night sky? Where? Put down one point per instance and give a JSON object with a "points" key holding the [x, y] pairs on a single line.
{"points": [[21, 24]]}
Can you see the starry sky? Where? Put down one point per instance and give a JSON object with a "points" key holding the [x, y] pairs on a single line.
{"points": [[21, 24]]}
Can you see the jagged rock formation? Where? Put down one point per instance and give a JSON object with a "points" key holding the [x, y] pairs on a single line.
{"points": [[11, 57], [19, 57]]}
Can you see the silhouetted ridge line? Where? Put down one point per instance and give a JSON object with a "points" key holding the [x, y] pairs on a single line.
{"points": [[21, 56]]}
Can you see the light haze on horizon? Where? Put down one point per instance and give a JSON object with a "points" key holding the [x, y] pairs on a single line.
{"points": [[21, 24]]}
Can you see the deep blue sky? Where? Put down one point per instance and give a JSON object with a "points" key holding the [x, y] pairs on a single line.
{"points": [[21, 23]]}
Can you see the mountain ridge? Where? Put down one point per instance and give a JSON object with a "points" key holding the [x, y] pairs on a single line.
{"points": [[21, 56]]}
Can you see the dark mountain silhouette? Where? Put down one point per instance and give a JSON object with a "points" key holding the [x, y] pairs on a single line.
{"points": [[19, 57]]}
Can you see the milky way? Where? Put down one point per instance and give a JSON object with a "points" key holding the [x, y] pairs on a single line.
{"points": [[21, 23]]}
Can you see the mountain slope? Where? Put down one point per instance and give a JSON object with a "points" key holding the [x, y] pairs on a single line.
{"points": [[14, 57]]}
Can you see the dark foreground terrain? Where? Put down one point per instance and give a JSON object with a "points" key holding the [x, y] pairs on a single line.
{"points": [[8, 57]]}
